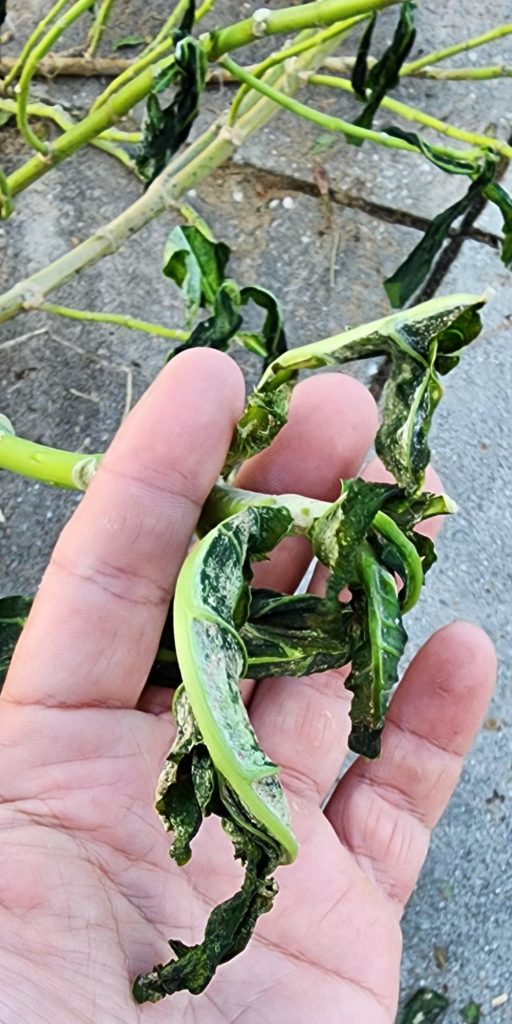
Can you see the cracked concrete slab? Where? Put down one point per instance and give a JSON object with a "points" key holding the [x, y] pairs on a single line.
{"points": [[328, 274]]}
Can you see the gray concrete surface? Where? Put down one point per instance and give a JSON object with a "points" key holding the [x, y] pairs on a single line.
{"points": [[68, 386]]}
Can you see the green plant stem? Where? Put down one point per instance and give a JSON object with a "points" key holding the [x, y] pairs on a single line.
{"points": [[419, 117], [205, 7], [292, 51], [83, 132], [31, 42], [99, 25], [171, 23], [209, 151], [411, 559], [114, 318], [326, 121], [345, 65], [450, 51], [6, 207], [33, 58], [71, 470], [144, 61], [319, 14], [106, 141]]}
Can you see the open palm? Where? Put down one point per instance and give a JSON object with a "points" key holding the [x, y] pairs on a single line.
{"points": [[88, 895]]}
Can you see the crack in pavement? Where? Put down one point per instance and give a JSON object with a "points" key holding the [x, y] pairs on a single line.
{"points": [[389, 214]]}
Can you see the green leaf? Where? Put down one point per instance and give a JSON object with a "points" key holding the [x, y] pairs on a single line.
{"points": [[337, 535], [379, 643], [421, 343], [177, 804], [272, 337], [471, 1013], [445, 161], [295, 635], [218, 329], [384, 75], [424, 1007], [13, 615], [164, 130], [360, 70], [497, 195], [196, 261], [411, 274], [128, 41], [187, 21]]}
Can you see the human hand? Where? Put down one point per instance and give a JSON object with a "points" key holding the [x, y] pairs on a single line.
{"points": [[88, 895]]}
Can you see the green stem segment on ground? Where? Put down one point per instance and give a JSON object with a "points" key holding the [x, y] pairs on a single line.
{"points": [[329, 123], [419, 117], [451, 51], [216, 145], [115, 318], [32, 40], [29, 68], [100, 23]]}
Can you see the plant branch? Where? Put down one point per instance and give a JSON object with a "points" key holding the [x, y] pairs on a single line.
{"points": [[80, 66], [450, 51], [204, 9], [319, 14], [419, 117], [31, 42], [99, 25], [275, 59], [187, 169], [71, 470], [345, 65], [5, 195], [329, 123], [114, 318], [146, 60], [33, 58]]}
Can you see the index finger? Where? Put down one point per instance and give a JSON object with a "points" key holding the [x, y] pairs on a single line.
{"points": [[95, 625]]}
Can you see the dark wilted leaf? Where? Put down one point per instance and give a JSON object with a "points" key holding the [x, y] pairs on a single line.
{"points": [[497, 195], [379, 643], [360, 71], [196, 261], [337, 535], [436, 154], [13, 615], [218, 329], [272, 336], [421, 343], [3, 11], [402, 285], [424, 1007], [295, 635], [165, 129], [384, 75]]}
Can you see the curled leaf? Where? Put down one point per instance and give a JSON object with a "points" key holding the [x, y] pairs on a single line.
{"points": [[424, 1007], [217, 330], [384, 75], [196, 261]]}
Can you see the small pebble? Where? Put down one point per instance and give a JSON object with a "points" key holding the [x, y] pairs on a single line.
{"points": [[238, 196], [499, 1000], [192, 193], [288, 203], [273, 204]]}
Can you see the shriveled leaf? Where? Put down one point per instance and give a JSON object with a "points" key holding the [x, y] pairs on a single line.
{"points": [[13, 615], [412, 273], [497, 195], [360, 70], [384, 75], [420, 342], [295, 635], [134, 40], [272, 336], [436, 154], [228, 929], [177, 803], [196, 261], [378, 646], [188, 18], [424, 1007], [218, 329], [337, 535], [165, 129]]}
